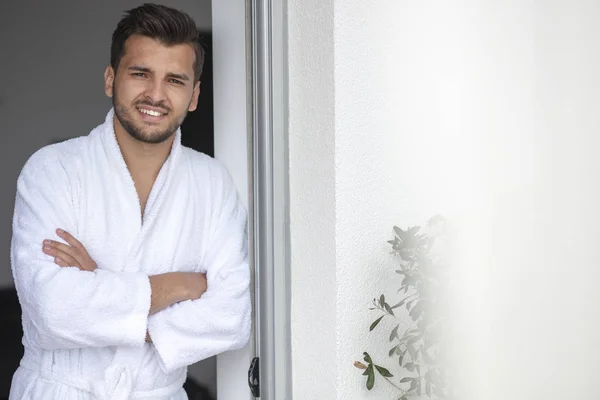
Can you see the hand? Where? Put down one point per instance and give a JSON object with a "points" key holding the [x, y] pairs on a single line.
{"points": [[72, 254], [174, 287], [196, 284]]}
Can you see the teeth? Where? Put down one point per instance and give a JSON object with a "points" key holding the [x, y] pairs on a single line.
{"points": [[150, 112]]}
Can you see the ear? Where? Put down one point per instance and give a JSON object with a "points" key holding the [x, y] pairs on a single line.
{"points": [[109, 79], [195, 94]]}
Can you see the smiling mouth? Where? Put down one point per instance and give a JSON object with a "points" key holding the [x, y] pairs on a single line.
{"points": [[152, 113]]}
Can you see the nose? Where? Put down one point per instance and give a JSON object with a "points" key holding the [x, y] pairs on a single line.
{"points": [[155, 91]]}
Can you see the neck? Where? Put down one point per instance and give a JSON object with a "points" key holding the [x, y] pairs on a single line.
{"points": [[142, 159]]}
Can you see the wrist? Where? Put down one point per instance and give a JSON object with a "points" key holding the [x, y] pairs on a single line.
{"points": [[167, 289], [182, 287]]}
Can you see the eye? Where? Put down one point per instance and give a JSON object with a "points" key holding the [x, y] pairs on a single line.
{"points": [[140, 74], [176, 81]]}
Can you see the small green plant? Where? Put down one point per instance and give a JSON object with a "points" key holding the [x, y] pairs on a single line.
{"points": [[415, 338]]}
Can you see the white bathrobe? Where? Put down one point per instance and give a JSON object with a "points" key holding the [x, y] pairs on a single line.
{"points": [[84, 332]]}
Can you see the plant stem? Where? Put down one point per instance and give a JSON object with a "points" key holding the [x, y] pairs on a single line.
{"points": [[396, 386], [409, 296]]}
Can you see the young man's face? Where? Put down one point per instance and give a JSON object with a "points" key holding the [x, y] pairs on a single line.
{"points": [[153, 88]]}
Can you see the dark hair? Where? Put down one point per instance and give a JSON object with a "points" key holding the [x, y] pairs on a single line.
{"points": [[168, 25]]}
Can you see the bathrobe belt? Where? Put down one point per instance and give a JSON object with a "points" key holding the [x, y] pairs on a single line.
{"points": [[117, 383]]}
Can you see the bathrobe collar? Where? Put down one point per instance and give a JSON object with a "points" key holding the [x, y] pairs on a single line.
{"points": [[164, 178]]}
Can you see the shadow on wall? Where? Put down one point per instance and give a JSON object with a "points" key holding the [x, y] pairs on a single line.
{"points": [[11, 348]]}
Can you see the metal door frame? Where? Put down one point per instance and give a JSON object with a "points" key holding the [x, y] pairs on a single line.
{"points": [[271, 196]]}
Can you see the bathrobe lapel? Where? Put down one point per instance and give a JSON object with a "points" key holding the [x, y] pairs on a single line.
{"points": [[160, 189]]}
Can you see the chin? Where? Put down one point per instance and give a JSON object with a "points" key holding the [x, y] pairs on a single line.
{"points": [[152, 138], [151, 134]]}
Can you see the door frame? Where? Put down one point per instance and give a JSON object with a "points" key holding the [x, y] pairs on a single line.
{"points": [[232, 138], [251, 131], [271, 197]]}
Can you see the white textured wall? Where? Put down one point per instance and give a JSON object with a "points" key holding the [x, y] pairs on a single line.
{"points": [[370, 121], [312, 199], [396, 113], [536, 238], [483, 111]]}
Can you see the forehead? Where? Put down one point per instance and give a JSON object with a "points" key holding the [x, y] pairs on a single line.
{"points": [[153, 54]]}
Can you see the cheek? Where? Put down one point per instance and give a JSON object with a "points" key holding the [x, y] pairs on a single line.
{"points": [[181, 100], [128, 91]]}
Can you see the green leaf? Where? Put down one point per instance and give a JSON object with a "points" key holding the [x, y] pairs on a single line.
{"points": [[384, 371], [388, 308], [382, 300], [367, 358], [408, 281], [413, 384], [370, 377], [392, 351], [375, 323], [416, 311], [411, 351], [394, 333], [414, 339], [399, 232], [404, 380], [398, 304]]}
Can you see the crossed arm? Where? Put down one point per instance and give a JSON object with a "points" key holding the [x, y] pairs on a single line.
{"points": [[66, 308], [166, 289]]}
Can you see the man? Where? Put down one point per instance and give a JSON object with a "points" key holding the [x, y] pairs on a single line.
{"points": [[129, 251]]}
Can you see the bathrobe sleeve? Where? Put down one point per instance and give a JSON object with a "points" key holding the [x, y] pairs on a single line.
{"points": [[65, 307], [219, 321]]}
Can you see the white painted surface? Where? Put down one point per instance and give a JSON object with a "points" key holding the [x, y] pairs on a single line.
{"points": [[397, 123], [312, 199], [483, 111], [231, 147], [538, 225]]}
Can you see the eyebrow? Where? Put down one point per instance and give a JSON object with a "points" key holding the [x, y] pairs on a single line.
{"points": [[138, 68]]}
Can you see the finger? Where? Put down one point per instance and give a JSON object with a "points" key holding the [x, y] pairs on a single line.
{"points": [[69, 239], [65, 248], [60, 262], [64, 257]]}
